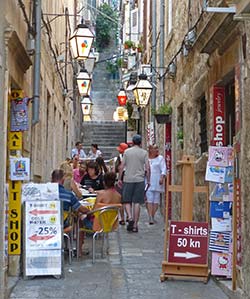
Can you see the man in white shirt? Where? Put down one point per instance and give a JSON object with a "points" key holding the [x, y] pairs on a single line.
{"points": [[78, 150]]}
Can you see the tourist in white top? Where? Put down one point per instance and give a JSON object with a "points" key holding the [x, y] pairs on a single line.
{"points": [[157, 177], [94, 152]]}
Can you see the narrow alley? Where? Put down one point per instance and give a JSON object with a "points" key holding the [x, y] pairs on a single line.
{"points": [[131, 271]]}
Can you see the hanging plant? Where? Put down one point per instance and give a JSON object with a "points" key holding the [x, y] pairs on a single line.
{"points": [[162, 113]]}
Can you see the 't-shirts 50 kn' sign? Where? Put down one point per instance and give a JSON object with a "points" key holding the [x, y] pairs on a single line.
{"points": [[188, 242]]}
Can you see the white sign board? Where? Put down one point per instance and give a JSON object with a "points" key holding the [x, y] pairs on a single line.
{"points": [[42, 230], [19, 169]]}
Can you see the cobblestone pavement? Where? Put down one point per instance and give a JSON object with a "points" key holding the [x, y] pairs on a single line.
{"points": [[131, 270]]}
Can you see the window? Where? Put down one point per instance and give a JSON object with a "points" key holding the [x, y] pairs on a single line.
{"points": [[203, 125], [230, 112], [170, 15]]}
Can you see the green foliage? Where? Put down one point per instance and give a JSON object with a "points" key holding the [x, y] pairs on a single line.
{"points": [[105, 28], [111, 67], [180, 134], [129, 44], [163, 109]]}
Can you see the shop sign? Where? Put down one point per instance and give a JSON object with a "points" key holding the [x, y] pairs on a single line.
{"points": [[218, 138], [15, 141], [188, 242], [14, 218], [168, 159]]}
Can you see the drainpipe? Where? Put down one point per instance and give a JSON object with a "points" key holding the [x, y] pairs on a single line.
{"points": [[37, 63], [153, 96], [162, 52]]}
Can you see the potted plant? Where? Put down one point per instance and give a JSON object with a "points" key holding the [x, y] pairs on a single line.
{"points": [[163, 113], [139, 48], [129, 44]]}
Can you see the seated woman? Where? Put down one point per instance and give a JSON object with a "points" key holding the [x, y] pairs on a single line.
{"points": [[101, 164], [107, 196], [93, 180], [94, 152]]}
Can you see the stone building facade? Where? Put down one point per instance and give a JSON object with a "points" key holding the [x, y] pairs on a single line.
{"points": [[218, 56], [48, 141]]}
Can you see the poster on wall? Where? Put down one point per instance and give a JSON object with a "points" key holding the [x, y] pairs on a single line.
{"points": [[19, 169], [19, 114], [219, 241], [220, 156], [221, 264]]}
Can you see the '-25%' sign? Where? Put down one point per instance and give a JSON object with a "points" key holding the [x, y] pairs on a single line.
{"points": [[188, 242]]}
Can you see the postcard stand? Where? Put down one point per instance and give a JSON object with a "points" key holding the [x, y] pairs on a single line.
{"points": [[184, 271]]}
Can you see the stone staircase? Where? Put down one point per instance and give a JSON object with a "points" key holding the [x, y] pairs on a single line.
{"points": [[107, 134], [102, 130]]}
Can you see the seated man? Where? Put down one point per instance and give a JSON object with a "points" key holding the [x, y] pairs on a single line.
{"points": [[68, 198]]}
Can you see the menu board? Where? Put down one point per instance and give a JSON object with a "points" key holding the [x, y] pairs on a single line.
{"points": [[42, 237]]}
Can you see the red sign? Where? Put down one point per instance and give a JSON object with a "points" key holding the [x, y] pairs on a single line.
{"points": [[238, 221], [188, 242], [168, 160], [218, 138]]}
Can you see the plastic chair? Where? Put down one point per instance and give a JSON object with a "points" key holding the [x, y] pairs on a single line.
{"points": [[105, 221], [67, 234]]}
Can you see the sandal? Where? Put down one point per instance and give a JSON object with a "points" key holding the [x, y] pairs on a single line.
{"points": [[130, 225], [122, 222], [135, 230]]}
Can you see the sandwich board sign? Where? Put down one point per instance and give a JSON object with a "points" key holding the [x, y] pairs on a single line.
{"points": [[42, 237]]}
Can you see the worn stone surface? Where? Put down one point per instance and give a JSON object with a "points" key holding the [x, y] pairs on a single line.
{"points": [[130, 271]]}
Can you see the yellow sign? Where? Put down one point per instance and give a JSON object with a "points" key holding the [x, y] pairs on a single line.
{"points": [[16, 94], [14, 219], [15, 141]]}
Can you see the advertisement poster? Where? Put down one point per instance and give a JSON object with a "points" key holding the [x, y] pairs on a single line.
{"points": [[19, 169], [33, 191], [43, 237], [219, 241], [220, 156], [221, 224], [221, 264]]}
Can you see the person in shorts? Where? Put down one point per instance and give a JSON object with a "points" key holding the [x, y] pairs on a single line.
{"points": [[135, 163]]}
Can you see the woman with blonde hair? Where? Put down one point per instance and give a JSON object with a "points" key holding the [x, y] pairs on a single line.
{"points": [[69, 182]]}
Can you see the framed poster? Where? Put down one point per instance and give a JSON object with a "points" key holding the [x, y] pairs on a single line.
{"points": [[19, 169]]}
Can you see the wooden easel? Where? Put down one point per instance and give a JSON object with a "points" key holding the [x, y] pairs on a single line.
{"points": [[174, 270]]}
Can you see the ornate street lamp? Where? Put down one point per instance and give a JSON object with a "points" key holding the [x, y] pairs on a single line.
{"points": [[81, 42], [89, 63], [83, 82], [142, 91], [122, 97], [120, 114], [86, 104]]}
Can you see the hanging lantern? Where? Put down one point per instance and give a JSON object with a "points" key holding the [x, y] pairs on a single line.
{"points": [[120, 114], [122, 97], [86, 104], [90, 63], [81, 42], [142, 91], [83, 82]]}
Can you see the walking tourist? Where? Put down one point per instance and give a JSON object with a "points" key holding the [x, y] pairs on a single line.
{"points": [[158, 172], [78, 150], [121, 149], [94, 152], [135, 162]]}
